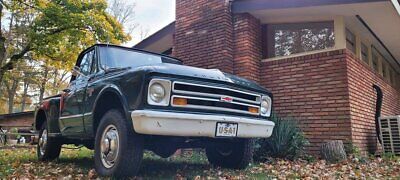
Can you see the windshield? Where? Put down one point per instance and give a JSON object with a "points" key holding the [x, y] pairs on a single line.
{"points": [[114, 57]]}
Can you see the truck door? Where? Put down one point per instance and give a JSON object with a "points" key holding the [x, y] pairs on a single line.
{"points": [[73, 102]]}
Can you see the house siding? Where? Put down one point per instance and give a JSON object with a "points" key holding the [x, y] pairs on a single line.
{"points": [[314, 90], [204, 31], [330, 93], [361, 78], [247, 46]]}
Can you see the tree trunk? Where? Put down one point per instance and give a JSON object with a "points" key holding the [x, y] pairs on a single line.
{"points": [[25, 94], [2, 44], [333, 151], [43, 83], [11, 91]]}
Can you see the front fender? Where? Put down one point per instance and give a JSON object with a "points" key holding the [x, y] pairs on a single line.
{"points": [[48, 112], [112, 88]]}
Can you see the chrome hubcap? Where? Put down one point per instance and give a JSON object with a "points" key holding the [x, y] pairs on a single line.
{"points": [[43, 142], [109, 146]]}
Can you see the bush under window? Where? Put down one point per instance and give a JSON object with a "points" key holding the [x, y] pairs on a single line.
{"points": [[287, 140]]}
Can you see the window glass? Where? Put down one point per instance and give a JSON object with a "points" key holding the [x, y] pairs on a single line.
{"points": [[350, 41], [384, 70], [86, 63], [390, 76], [364, 53], [287, 39], [375, 59], [393, 77], [114, 57]]}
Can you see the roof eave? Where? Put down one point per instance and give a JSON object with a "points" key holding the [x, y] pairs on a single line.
{"points": [[242, 6]]}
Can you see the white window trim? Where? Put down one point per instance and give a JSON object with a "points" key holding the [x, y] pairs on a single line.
{"points": [[300, 54]]}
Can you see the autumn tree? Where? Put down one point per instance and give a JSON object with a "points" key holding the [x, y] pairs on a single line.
{"points": [[123, 11], [60, 29]]}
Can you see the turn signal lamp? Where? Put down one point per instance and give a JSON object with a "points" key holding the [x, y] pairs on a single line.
{"points": [[253, 110], [179, 101]]}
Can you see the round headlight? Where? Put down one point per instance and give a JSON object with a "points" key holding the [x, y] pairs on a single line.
{"points": [[265, 103], [157, 92]]}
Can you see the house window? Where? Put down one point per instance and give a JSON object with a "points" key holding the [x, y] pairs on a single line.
{"points": [[350, 41], [384, 70], [391, 76], [375, 59], [288, 39], [364, 53]]}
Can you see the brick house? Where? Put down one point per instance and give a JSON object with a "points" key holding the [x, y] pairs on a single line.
{"points": [[320, 59]]}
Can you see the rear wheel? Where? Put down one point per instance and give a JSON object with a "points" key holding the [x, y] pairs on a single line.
{"points": [[235, 154], [48, 148], [118, 150]]}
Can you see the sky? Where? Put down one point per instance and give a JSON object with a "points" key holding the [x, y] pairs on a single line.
{"points": [[152, 15]]}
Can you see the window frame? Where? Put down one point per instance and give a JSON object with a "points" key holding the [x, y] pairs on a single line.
{"points": [[79, 60], [348, 41], [385, 69], [367, 56], [375, 52]]}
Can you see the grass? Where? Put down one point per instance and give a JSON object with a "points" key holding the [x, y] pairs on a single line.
{"points": [[78, 162], [21, 163]]}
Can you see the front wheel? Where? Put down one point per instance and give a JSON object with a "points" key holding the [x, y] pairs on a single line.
{"points": [[118, 149], [48, 148], [234, 154]]}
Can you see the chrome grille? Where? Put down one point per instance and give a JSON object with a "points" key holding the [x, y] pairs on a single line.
{"points": [[205, 97]]}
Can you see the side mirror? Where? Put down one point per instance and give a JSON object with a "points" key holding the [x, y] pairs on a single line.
{"points": [[76, 71]]}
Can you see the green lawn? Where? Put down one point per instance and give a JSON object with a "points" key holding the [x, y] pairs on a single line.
{"points": [[78, 164], [22, 162]]}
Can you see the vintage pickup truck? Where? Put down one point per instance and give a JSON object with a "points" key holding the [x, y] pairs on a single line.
{"points": [[121, 101]]}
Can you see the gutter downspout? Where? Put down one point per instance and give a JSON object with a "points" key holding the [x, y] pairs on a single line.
{"points": [[378, 109]]}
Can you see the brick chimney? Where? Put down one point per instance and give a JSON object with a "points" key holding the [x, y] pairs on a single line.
{"points": [[204, 34]]}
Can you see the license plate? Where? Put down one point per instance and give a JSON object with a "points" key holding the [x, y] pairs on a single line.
{"points": [[226, 130]]}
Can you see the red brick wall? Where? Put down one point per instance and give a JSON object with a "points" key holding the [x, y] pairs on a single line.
{"points": [[330, 93], [204, 34], [247, 46], [314, 90], [361, 78]]}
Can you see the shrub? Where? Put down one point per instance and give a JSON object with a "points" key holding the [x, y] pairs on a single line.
{"points": [[287, 140], [351, 149]]}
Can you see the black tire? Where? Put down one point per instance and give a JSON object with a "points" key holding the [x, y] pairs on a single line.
{"points": [[130, 147], [235, 154], [51, 150], [165, 151]]}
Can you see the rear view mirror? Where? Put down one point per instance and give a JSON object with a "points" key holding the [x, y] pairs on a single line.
{"points": [[76, 71]]}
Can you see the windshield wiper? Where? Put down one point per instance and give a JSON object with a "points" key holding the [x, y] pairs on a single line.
{"points": [[115, 69]]}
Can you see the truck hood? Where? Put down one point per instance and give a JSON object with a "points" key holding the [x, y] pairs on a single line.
{"points": [[200, 73]]}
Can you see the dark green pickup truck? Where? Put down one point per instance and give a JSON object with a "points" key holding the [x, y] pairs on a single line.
{"points": [[121, 101]]}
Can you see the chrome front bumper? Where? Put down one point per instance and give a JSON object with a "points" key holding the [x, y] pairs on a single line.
{"points": [[196, 125]]}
